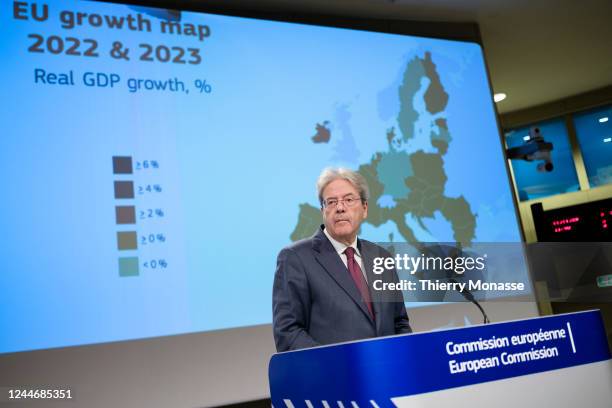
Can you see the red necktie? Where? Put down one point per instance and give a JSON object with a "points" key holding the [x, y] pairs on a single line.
{"points": [[358, 278]]}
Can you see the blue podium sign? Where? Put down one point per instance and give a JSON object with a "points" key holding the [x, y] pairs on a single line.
{"points": [[385, 371]]}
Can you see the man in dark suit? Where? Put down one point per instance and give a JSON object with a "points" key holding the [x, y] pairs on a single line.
{"points": [[323, 285]]}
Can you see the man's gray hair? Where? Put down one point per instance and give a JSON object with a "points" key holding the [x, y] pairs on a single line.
{"points": [[340, 173]]}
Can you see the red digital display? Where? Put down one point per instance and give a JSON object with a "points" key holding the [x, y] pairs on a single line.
{"points": [[564, 224], [586, 222], [605, 215]]}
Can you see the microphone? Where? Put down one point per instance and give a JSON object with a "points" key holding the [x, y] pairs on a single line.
{"points": [[470, 297]]}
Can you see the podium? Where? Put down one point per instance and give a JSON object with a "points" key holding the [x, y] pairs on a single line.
{"points": [[553, 361]]}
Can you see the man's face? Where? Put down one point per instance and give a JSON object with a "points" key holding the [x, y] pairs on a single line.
{"points": [[341, 220]]}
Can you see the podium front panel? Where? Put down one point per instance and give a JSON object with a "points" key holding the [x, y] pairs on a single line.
{"points": [[560, 361]]}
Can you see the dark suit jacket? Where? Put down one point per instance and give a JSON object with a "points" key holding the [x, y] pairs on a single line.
{"points": [[315, 300]]}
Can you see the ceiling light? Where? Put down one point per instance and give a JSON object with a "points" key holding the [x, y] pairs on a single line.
{"points": [[498, 97], [603, 120], [526, 138], [608, 140]]}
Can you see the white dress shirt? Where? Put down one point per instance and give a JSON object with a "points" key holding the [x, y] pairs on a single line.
{"points": [[340, 248]]}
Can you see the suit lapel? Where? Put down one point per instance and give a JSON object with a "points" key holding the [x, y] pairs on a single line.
{"points": [[367, 256], [329, 259]]}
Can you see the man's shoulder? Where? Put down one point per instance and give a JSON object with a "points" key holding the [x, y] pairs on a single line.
{"points": [[300, 246], [301, 251], [374, 248]]}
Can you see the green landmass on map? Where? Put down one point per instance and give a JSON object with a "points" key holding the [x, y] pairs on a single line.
{"points": [[414, 181], [323, 133]]}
